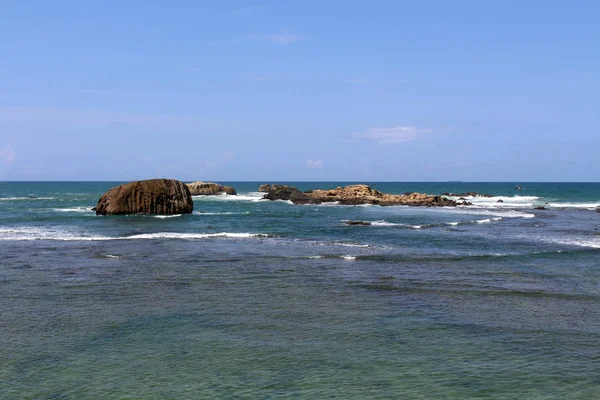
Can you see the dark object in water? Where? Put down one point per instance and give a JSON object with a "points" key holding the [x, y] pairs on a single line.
{"points": [[468, 194], [31, 197], [500, 201], [518, 187], [357, 223], [540, 208]]}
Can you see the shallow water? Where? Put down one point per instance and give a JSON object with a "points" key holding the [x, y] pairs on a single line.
{"points": [[252, 299]]}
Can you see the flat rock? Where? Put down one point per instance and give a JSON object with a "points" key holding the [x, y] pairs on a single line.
{"points": [[152, 196], [200, 188], [354, 195]]}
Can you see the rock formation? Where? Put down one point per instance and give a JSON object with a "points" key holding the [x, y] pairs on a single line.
{"points": [[354, 195], [264, 188], [209, 189], [366, 223], [153, 196]]}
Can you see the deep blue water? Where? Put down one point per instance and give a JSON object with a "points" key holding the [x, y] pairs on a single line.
{"points": [[254, 299]]}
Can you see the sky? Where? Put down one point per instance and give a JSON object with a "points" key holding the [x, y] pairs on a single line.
{"points": [[300, 90]]}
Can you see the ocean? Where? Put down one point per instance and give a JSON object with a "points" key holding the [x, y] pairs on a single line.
{"points": [[247, 298]]}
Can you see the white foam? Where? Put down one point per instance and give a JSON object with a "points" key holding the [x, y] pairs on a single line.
{"points": [[221, 213], [62, 234], [588, 206], [591, 243], [178, 235], [484, 221], [112, 256], [166, 216], [25, 198], [349, 257], [494, 202], [74, 210], [33, 233], [315, 257], [416, 226], [250, 196], [385, 223], [453, 223]]}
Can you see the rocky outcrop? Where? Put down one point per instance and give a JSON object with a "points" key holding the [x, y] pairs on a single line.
{"points": [[282, 192], [264, 188], [354, 195], [209, 189], [365, 223], [153, 196], [468, 194]]}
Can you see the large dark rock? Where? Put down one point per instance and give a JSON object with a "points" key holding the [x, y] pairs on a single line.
{"points": [[264, 188], [282, 192], [153, 196], [209, 189]]}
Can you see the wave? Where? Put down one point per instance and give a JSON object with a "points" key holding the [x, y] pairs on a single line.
{"points": [[166, 216], [61, 234], [221, 213], [250, 196], [74, 209], [25, 198], [587, 206], [350, 258]]}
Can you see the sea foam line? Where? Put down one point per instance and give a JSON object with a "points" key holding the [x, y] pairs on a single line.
{"points": [[28, 233]]}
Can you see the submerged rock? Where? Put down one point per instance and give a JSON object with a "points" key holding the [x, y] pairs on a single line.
{"points": [[468, 194], [358, 223], [540, 208], [153, 196], [354, 195], [200, 188]]}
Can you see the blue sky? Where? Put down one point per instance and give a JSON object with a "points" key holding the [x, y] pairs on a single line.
{"points": [[304, 90]]}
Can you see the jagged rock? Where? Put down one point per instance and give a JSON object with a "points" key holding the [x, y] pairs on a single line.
{"points": [[153, 196], [209, 189], [357, 223], [264, 188], [282, 192], [354, 195], [468, 194]]}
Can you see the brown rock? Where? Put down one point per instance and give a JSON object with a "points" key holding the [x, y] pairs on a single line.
{"points": [[209, 189], [153, 196], [354, 195], [264, 188]]}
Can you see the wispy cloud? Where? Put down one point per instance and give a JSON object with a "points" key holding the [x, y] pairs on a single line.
{"points": [[315, 164], [356, 80], [250, 9], [7, 155], [397, 134], [64, 116], [284, 38]]}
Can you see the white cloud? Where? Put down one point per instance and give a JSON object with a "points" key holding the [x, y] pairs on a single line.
{"points": [[315, 164], [7, 155], [398, 134], [284, 38]]}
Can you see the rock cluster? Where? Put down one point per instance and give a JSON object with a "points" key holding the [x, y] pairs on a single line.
{"points": [[354, 195], [209, 189], [153, 196]]}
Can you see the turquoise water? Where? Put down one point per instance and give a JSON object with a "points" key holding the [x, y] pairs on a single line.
{"points": [[252, 299]]}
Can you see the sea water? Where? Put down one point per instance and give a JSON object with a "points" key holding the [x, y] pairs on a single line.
{"points": [[246, 298]]}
